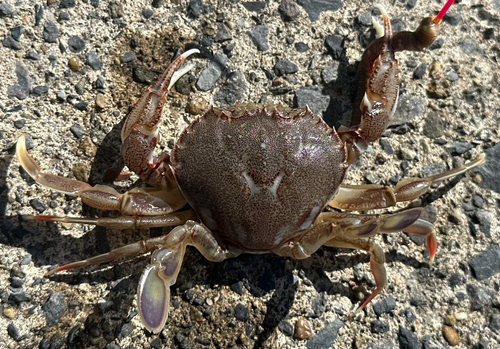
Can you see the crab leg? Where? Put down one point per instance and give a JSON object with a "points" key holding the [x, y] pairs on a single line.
{"points": [[378, 76], [140, 131], [377, 260], [137, 201], [407, 221], [124, 222], [369, 197], [153, 295]]}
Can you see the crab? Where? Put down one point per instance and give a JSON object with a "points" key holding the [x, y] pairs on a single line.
{"points": [[256, 179]]}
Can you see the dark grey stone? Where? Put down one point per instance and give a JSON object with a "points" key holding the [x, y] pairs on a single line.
{"points": [[147, 13], [289, 10], [194, 9], [459, 148], [330, 73], [433, 169], [63, 16], [54, 308], [223, 33], [38, 14], [233, 90], [32, 55], [26, 260], [301, 47], [6, 10], [13, 331], [260, 37], [40, 91], [313, 98], [212, 72], [237, 287], [365, 19], [479, 297], [125, 330], [495, 322], [141, 76], [325, 338], [67, 3], [254, 6], [77, 131], [420, 71], [315, 7], [9, 42], [94, 62], [38, 205], [409, 315], [76, 44], [286, 328], [452, 76], [486, 264], [16, 32], [284, 67], [484, 218], [50, 32], [127, 57], [19, 124], [433, 126], [386, 146], [241, 313], [81, 105], [453, 18], [335, 45], [469, 45], [490, 170], [18, 297], [385, 306], [409, 107], [379, 327], [455, 279], [478, 201], [408, 339]]}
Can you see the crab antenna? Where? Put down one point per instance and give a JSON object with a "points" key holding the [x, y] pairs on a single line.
{"points": [[443, 11]]}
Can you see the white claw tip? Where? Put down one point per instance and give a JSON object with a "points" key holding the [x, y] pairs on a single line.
{"points": [[190, 52]]}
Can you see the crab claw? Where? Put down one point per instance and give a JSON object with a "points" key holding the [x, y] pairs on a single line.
{"points": [[153, 294]]}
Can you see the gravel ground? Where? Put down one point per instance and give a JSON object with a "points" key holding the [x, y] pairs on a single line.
{"points": [[72, 70]]}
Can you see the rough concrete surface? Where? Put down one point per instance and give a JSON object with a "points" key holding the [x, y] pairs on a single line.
{"points": [[71, 70]]}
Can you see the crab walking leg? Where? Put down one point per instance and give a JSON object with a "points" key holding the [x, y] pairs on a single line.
{"points": [[369, 197], [377, 260], [140, 131], [334, 235], [124, 222], [408, 221], [137, 201], [153, 295]]}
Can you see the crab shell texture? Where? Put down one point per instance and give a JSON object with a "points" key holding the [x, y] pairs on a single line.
{"points": [[258, 175]]}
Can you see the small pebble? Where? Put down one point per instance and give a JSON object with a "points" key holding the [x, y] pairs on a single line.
{"points": [[303, 329], [460, 316], [450, 335], [196, 105], [100, 100], [450, 320], [74, 64], [9, 313]]}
